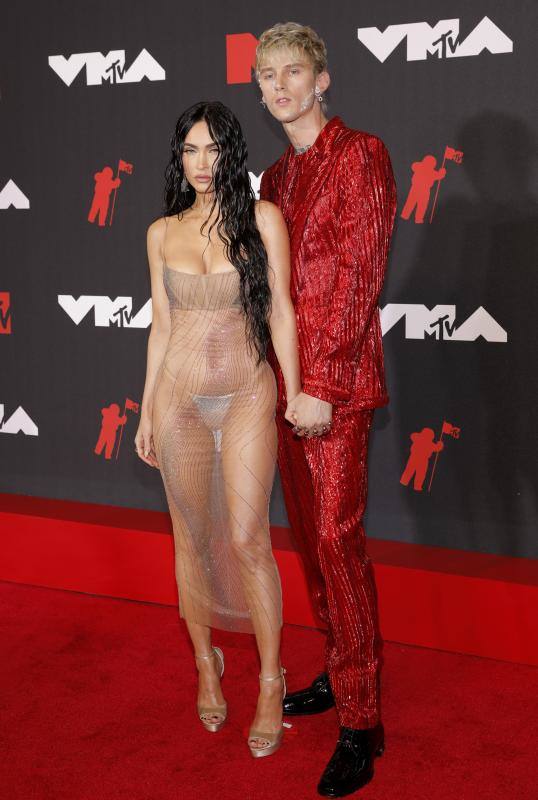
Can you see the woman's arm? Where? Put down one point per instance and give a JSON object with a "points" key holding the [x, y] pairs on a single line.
{"points": [[274, 234], [309, 413], [158, 336]]}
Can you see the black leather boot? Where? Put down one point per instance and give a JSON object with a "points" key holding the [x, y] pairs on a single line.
{"points": [[317, 698], [352, 763]]}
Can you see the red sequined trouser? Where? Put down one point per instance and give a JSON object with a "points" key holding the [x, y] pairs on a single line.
{"points": [[324, 481]]}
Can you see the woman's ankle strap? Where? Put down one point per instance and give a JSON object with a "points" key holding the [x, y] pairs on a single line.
{"points": [[275, 677], [210, 655]]}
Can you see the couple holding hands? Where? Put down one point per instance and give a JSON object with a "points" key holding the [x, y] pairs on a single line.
{"points": [[266, 345]]}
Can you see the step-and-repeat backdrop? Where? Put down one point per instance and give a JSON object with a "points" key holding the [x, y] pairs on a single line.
{"points": [[89, 97]]}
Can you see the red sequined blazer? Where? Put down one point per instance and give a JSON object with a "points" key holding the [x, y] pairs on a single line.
{"points": [[340, 213]]}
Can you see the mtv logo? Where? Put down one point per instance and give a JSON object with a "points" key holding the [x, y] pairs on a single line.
{"points": [[108, 313], [11, 195], [440, 323], [108, 69], [442, 40], [240, 57], [18, 422]]}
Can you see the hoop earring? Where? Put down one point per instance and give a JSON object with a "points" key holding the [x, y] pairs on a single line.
{"points": [[184, 184]]}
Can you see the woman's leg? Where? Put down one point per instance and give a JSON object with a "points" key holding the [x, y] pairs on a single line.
{"points": [[185, 452], [249, 448], [209, 691]]}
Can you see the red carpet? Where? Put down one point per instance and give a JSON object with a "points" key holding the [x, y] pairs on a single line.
{"points": [[98, 704]]}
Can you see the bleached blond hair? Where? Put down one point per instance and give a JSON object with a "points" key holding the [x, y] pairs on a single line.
{"points": [[298, 38]]}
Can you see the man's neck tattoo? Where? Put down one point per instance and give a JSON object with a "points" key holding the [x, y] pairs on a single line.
{"points": [[302, 149]]}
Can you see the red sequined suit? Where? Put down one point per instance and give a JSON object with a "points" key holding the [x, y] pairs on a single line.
{"points": [[339, 202]]}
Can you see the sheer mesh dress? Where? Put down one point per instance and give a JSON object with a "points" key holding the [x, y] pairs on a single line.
{"points": [[215, 440]]}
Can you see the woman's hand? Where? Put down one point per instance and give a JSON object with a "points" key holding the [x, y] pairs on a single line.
{"points": [[144, 442], [309, 415]]}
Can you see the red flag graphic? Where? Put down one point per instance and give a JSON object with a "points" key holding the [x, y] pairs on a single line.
{"points": [[124, 166], [131, 405], [453, 155], [450, 430], [5, 312]]}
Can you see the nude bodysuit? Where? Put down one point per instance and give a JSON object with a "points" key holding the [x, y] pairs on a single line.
{"points": [[215, 440]]}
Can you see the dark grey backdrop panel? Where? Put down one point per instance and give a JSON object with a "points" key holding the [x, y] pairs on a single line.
{"points": [[479, 251]]}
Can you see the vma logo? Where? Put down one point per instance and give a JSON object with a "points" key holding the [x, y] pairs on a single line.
{"points": [[18, 422], [11, 195], [108, 313], [255, 181], [107, 69], [441, 40], [440, 323]]}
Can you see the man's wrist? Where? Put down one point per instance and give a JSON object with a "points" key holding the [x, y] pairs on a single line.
{"points": [[319, 400], [331, 394]]}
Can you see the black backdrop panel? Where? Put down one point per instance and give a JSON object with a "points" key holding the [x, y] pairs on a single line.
{"points": [[452, 86]]}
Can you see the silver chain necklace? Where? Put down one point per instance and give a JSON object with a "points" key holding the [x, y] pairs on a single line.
{"points": [[302, 149]]}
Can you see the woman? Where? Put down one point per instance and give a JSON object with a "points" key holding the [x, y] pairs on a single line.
{"points": [[219, 265]]}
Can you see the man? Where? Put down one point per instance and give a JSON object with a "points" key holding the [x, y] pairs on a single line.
{"points": [[336, 190]]}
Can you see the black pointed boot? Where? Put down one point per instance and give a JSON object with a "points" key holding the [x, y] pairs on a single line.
{"points": [[317, 698], [352, 763]]}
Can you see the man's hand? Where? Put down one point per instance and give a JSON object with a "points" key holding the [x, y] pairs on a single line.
{"points": [[309, 415]]}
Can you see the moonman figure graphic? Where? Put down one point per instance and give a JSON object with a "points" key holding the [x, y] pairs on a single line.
{"points": [[104, 184], [424, 176], [109, 426], [421, 451]]}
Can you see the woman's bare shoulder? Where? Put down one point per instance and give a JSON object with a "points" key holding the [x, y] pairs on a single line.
{"points": [[156, 229]]}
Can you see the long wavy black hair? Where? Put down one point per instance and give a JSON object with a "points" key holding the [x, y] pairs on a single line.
{"points": [[236, 226]]}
